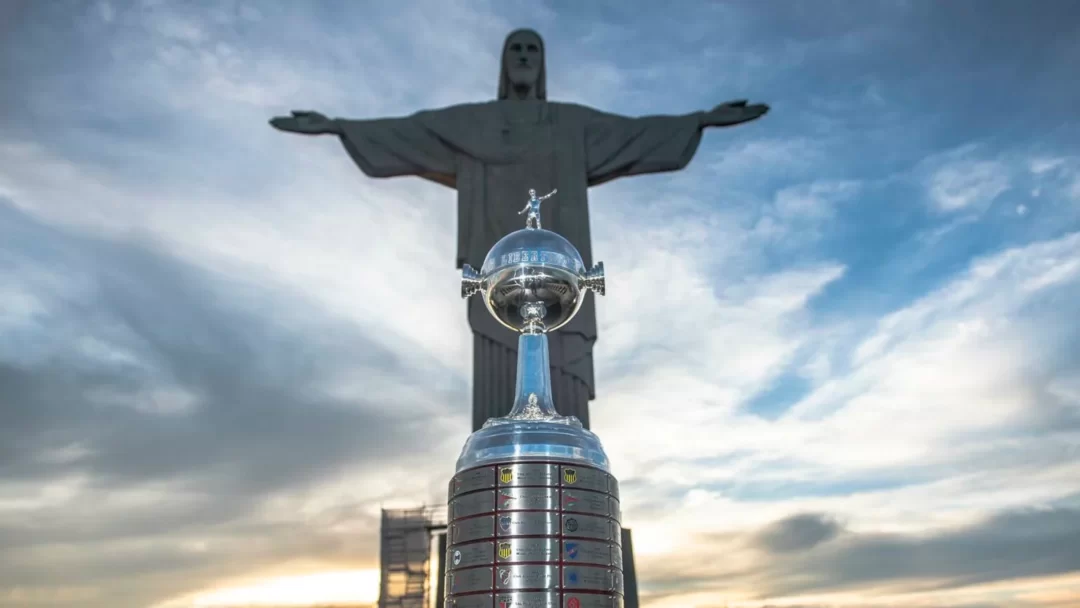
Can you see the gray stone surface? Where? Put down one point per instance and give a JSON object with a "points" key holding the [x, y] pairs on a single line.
{"points": [[492, 153]]}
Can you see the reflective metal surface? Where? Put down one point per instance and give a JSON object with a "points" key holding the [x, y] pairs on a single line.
{"points": [[471, 601], [617, 557], [591, 552], [533, 208], [473, 504], [462, 531], [466, 581], [584, 501], [527, 599], [467, 556], [528, 523], [534, 512], [591, 527], [522, 499], [512, 550], [528, 475], [528, 576], [588, 578], [474, 479], [581, 600], [533, 280], [523, 295], [585, 479], [544, 538]]}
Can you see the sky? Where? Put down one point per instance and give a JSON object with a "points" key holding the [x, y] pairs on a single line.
{"points": [[838, 365]]}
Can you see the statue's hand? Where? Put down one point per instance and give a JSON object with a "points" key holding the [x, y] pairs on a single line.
{"points": [[733, 113], [308, 123]]}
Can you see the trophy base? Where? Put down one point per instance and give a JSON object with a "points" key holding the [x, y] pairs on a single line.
{"points": [[505, 440], [534, 535]]}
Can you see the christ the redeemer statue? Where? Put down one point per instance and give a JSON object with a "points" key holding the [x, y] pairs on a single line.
{"points": [[491, 153]]}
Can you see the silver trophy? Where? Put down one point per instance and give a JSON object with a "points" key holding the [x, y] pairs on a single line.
{"points": [[534, 510]]}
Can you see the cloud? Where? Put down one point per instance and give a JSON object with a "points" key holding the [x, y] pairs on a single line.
{"points": [[967, 184], [810, 560], [188, 402], [938, 416], [1042, 165], [1010, 545], [969, 347], [798, 533], [236, 348], [751, 158]]}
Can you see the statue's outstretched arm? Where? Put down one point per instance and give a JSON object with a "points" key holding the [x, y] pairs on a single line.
{"points": [[306, 122], [621, 146], [732, 113], [385, 147]]}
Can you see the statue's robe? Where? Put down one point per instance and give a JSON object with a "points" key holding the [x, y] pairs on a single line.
{"points": [[492, 153]]}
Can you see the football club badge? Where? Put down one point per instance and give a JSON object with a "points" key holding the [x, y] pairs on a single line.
{"points": [[506, 475], [507, 499], [569, 476], [569, 500], [573, 603], [506, 601], [571, 525], [504, 576], [571, 550], [571, 577], [504, 523], [505, 551], [457, 557]]}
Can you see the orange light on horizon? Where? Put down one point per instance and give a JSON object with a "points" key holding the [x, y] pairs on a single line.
{"points": [[344, 587]]}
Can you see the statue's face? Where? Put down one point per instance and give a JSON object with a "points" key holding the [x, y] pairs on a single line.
{"points": [[523, 58]]}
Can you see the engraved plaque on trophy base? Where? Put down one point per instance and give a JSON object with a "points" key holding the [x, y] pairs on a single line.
{"points": [[546, 536]]}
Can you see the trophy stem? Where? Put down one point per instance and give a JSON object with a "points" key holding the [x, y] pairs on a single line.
{"points": [[532, 397]]}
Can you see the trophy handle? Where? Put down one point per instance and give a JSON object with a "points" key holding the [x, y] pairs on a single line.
{"points": [[594, 279], [470, 281]]}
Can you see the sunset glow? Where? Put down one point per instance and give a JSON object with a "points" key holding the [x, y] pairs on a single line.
{"points": [[345, 587]]}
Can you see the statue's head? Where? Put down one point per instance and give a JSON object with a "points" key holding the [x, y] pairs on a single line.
{"points": [[523, 64]]}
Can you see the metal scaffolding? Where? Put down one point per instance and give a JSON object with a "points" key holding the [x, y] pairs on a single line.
{"points": [[405, 553]]}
